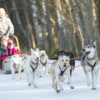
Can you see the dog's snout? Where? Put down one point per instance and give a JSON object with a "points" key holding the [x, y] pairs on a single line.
{"points": [[64, 64], [42, 54], [37, 58], [83, 50], [14, 64]]}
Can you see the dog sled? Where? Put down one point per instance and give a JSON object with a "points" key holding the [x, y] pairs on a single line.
{"points": [[6, 67]]}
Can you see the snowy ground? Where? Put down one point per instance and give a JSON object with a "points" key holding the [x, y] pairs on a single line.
{"points": [[19, 90]]}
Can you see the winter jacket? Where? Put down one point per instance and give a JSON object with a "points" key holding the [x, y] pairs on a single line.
{"points": [[6, 27], [9, 52]]}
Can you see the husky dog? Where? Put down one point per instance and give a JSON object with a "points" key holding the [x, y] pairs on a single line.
{"points": [[43, 62], [90, 61], [31, 67], [72, 61], [57, 70], [16, 64]]}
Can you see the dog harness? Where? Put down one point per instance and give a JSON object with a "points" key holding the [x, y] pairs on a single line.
{"points": [[33, 69], [43, 63], [34, 63], [62, 72], [92, 66], [14, 65]]}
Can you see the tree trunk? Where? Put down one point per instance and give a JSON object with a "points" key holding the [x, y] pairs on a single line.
{"points": [[30, 36], [48, 25], [62, 29], [36, 24], [42, 21]]}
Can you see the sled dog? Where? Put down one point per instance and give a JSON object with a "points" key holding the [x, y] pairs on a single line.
{"points": [[44, 66], [57, 71], [31, 67], [90, 60], [16, 64]]}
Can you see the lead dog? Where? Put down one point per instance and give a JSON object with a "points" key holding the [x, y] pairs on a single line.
{"points": [[16, 64], [90, 60], [57, 70], [72, 61], [31, 67]]}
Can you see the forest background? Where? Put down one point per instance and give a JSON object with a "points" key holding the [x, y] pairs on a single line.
{"points": [[53, 25]]}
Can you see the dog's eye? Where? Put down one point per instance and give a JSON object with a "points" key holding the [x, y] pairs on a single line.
{"points": [[88, 46], [62, 60]]}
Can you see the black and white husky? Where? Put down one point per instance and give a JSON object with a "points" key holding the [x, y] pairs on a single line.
{"points": [[72, 61], [90, 60]]}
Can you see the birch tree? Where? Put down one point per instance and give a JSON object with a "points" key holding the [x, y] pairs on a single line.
{"points": [[62, 30], [48, 25], [36, 24], [42, 21]]}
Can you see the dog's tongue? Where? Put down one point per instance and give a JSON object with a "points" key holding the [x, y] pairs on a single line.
{"points": [[87, 53], [14, 65]]}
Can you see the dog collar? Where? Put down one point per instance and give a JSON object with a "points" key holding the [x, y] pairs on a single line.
{"points": [[34, 63], [92, 58]]}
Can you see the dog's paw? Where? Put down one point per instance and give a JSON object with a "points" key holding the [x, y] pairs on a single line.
{"points": [[72, 87], [93, 88], [40, 76], [35, 86], [58, 91], [29, 84], [68, 82]]}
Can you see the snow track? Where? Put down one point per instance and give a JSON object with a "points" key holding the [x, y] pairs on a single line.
{"points": [[19, 90]]}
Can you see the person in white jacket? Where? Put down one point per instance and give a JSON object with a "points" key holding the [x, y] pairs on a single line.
{"points": [[6, 26]]}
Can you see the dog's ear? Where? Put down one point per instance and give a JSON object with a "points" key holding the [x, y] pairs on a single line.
{"points": [[94, 44], [32, 51], [68, 57], [44, 51], [37, 49]]}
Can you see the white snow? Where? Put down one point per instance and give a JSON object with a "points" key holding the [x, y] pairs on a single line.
{"points": [[19, 90]]}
